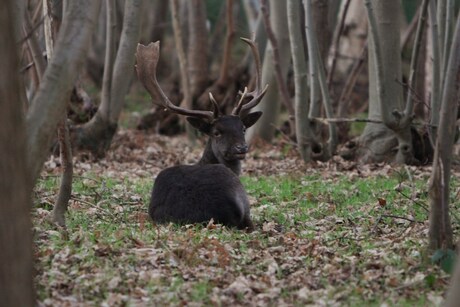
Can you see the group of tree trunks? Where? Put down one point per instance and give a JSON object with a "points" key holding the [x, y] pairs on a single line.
{"points": [[317, 92]]}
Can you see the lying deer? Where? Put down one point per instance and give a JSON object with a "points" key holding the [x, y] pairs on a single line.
{"points": [[210, 189]]}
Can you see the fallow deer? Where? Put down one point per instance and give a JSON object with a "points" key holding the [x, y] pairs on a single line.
{"points": [[210, 189]]}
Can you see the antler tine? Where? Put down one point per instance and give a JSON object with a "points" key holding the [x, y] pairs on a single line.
{"points": [[147, 59], [237, 109], [215, 106], [257, 94]]}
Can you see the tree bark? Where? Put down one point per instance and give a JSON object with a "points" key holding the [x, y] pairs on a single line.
{"points": [[453, 294], [378, 141], [15, 189], [197, 51], [320, 15], [97, 134], [52, 13], [51, 99], [160, 18], [304, 135], [440, 231], [270, 105], [318, 80], [183, 64]]}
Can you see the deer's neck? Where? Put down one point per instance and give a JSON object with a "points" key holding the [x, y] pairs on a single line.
{"points": [[208, 157]]}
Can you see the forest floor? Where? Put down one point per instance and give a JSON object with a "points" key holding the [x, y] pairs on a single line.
{"points": [[327, 234]]}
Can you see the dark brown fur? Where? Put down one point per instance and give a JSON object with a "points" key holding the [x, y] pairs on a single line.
{"points": [[211, 189]]}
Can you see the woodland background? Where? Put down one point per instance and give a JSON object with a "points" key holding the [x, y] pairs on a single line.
{"points": [[361, 94]]}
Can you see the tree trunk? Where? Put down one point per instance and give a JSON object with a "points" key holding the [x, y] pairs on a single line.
{"points": [[160, 19], [97, 134], [378, 141], [15, 226], [320, 10], [304, 133], [319, 90], [440, 231], [280, 80], [52, 13], [51, 99], [197, 51], [453, 295], [270, 106]]}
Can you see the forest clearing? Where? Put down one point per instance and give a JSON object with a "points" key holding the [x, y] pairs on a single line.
{"points": [[332, 233]]}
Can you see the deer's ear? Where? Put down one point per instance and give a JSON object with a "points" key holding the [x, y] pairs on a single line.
{"points": [[200, 124], [251, 119]]}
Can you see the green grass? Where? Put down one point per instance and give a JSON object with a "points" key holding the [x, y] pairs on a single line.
{"points": [[337, 238]]}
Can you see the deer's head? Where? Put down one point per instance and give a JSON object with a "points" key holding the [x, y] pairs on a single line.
{"points": [[226, 132]]}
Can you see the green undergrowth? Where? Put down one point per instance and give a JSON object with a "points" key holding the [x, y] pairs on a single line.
{"points": [[321, 240]]}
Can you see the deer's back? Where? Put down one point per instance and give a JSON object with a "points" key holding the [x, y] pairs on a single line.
{"points": [[197, 193]]}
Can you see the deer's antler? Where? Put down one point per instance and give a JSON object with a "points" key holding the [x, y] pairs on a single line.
{"points": [[257, 94], [147, 59]]}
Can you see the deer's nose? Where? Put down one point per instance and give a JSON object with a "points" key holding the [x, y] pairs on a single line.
{"points": [[242, 148]]}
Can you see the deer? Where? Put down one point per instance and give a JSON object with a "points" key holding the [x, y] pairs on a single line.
{"points": [[210, 189]]}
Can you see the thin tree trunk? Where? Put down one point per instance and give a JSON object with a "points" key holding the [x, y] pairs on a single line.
{"points": [[97, 134], [51, 16], [436, 52], [320, 15], [124, 62], [335, 45], [301, 103], [386, 98], [270, 105], [409, 109], [453, 294], [197, 51], [222, 81], [280, 80], [65, 189], [51, 99], [440, 231], [183, 63], [110, 52], [16, 267], [34, 48], [160, 18], [317, 74], [251, 13]]}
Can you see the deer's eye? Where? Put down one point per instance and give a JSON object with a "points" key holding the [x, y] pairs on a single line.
{"points": [[244, 130], [217, 134]]}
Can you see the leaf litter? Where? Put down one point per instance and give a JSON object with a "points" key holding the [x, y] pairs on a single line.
{"points": [[111, 254]]}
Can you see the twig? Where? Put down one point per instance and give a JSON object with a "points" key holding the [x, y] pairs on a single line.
{"points": [[96, 206], [401, 217]]}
